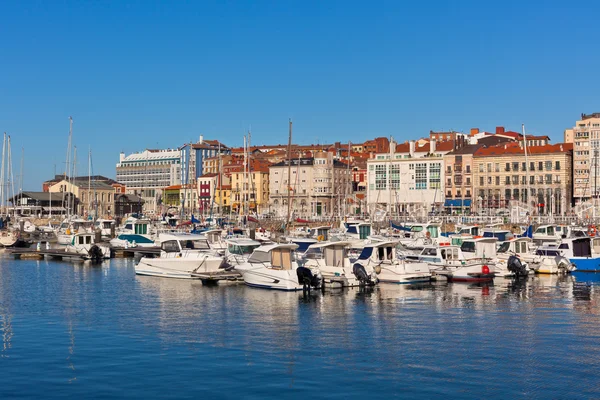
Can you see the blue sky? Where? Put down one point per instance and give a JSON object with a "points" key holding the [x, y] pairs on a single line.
{"points": [[147, 74]]}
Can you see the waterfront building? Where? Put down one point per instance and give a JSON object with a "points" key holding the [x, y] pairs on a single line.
{"points": [[127, 204], [585, 136], [250, 189], [147, 173], [316, 186], [38, 203], [93, 198], [408, 179], [194, 154], [540, 183]]}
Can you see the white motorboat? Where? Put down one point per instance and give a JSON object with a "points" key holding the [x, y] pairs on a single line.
{"points": [[335, 266], [274, 266], [382, 258], [83, 243], [449, 262], [523, 248], [484, 248], [106, 226], [182, 255]]}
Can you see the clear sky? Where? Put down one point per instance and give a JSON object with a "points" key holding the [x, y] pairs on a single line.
{"points": [[146, 74]]}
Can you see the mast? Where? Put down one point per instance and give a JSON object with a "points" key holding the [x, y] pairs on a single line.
{"points": [[10, 177], [89, 207], [347, 190], [2, 176], [21, 179], [527, 192], [68, 167], [73, 177], [289, 204]]}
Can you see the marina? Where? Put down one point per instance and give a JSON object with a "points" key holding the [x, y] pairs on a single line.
{"points": [[420, 341]]}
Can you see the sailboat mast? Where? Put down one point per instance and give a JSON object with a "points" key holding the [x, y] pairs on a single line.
{"points": [[527, 184], [289, 174], [10, 176], [2, 176], [21, 178], [89, 193]]}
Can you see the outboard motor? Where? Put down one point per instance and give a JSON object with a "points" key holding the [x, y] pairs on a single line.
{"points": [[95, 253], [515, 266], [307, 279], [361, 274]]}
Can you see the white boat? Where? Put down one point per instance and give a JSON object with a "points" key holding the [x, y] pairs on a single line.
{"points": [[182, 255], [484, 248], [135, 232], [449, 262], [8, 238], [382, 258], [274, 266], [335, 266], [106, 226], [417, 236], [83, 243], [579, 251], [524, 249]]}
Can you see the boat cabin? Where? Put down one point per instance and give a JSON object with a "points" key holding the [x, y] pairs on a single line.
{"points": [[174, 243], [476, 248], [382, 252], [82, 239], [333, 253], [136, 226], [501, 234], [472, 230], [361, 230], [568, 247], [439, 255], [517, 246], [276, 256]]}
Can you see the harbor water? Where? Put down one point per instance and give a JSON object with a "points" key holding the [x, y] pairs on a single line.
{"points": [[76, 330]]}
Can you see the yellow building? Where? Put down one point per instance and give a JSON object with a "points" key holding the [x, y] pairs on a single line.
{"points": [[251, 190], [540, 182]]}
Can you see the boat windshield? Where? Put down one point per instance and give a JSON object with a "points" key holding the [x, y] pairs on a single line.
{"points": [[194, 244], [313, 254], [504, 247], [237, 249]]}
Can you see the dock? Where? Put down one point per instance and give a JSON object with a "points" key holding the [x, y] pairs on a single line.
{"points": [[56, 254], [137, 252], [211, 278]]}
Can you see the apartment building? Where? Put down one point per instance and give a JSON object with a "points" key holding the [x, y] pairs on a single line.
{"points": [[541, 181], [585, 136], [408, 179], [147, 173], [315, 186]]}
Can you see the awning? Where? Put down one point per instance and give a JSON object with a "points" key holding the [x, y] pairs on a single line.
{"points": [[457, 203], [54, 209]]}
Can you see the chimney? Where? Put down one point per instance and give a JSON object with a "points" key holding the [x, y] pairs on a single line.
{"points": [[201, 139], [474, 131], [411, 147], [432, 146], [561, 148], [499, 130], [392, 146], [121, 157]]}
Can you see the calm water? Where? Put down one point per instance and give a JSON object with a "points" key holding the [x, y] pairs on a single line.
{"points": [[75, 330]]}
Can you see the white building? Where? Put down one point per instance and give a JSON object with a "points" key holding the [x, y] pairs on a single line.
{"points": [[408, 181], [147, 173]]}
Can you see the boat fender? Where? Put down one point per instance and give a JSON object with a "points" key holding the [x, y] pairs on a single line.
{"points": [[320, 238], [39, 246], [377, 269], [485, 270]]}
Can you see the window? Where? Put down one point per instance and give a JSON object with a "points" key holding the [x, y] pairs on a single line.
{"points": [[468, 181], [380, 177], [481, 181], [489, 167], [507, 194], [434, 175], [489, 180], [531, 180], [548, 178], [395, 176], [507, 180], [497, 169], [515, 166], [497, 181], [507, 167], [421, 176], [481, 167], [557, 166], [515, 179], [468, 169], [548, 165], [540, 166], [532, 166], [450, 180]]}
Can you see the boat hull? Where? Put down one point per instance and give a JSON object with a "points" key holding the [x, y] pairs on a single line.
{"points": [[267, 278], [181, 268], [587, 264]]}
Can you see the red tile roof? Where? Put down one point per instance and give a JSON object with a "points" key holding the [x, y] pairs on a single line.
{"points": [[515, 148]]}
